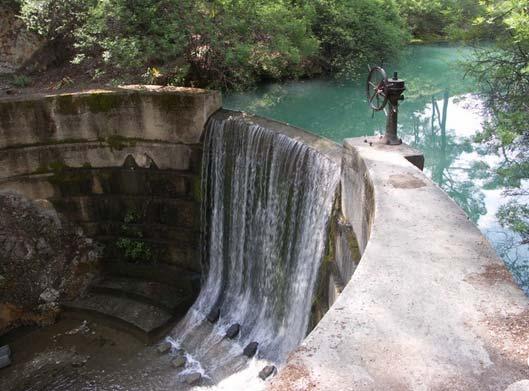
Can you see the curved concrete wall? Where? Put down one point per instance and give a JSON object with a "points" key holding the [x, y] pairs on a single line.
{"points": [[109, 158], [430, 305]]}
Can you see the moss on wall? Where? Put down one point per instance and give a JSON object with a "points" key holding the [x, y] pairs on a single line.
{"points": [[117, 142], [95, 103], [197, 189], [66, 105], [320, 300], [103, 102]]}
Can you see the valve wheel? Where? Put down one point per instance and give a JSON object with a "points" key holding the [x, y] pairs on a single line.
{"points": [[377, 88]]}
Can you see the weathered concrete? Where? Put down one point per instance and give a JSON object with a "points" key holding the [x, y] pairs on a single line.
{"points": [[170, 114], [144, 320], [430, 305], [103, 156], [123, 165], [20, 161]]}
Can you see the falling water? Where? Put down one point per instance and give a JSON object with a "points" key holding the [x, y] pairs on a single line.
{"points": [[267, 200]]}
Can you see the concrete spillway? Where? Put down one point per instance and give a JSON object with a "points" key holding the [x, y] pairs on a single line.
{"points": [[267, 201], [406, 281]]}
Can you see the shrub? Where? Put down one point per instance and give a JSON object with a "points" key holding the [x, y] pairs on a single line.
{"points": [[220, 43], [21, 81], [353, 34]]}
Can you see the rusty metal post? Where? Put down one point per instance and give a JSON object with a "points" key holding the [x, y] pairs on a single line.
{"points": [[395, 89]]}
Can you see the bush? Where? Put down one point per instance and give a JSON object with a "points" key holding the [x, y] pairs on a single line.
{"points": [[55, 20], [221, 43], [133, 247], [443, 19], [21, 81], [353, 34]]}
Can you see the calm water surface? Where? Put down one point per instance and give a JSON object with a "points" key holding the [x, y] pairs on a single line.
{"points": [[436, 89]]}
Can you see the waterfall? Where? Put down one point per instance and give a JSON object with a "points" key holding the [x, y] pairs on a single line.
{"points": [[267, 199]]}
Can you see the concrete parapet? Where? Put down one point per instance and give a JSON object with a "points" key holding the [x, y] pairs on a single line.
{"points": [[430, 306], [169, 114]]}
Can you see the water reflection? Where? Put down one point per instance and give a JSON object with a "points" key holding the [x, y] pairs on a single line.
{"points": [[445, 149]]}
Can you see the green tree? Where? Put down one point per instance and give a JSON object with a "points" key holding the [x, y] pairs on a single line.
{"points": [[238, 43], [220, 43], [442, 19], [354, 34], [56, 20]]}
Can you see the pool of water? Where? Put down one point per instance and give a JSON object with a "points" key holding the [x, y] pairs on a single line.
{"points": [[439, 116]]}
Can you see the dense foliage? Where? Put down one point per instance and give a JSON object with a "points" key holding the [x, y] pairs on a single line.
{"points": [[356, 33], [221, 43], [443, 19]]}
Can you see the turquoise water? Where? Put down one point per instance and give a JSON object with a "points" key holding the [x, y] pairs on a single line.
{"points": [[436, 88]]}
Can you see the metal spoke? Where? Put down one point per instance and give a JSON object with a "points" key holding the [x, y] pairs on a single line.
{"points": [[376, 91]]}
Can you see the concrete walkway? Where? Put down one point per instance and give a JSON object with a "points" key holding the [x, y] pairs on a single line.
{"points": [[430, 306]]}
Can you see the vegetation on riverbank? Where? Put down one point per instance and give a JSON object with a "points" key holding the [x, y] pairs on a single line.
{"points": [[228, 44]]}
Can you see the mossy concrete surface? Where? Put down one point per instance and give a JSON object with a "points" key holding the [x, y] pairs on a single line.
{"points": [[100, 156], [170, 114], [42, 158]]}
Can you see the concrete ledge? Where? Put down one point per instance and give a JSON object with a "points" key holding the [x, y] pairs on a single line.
{"points": [[28, 160], [326, 147], [429, 307], [170, 114]]}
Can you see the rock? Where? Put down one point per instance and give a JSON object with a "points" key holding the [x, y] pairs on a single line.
{"points": [[192, 378], [44, 203], [267, 371], [49, 295], [5, 361], [43, 261], [164, 347], [5, 350], [250, 349], [213, 315], [43, 248], [5, 356], [179, 361], [233, 331], [2, 281], [18, 45], [79, 361]]}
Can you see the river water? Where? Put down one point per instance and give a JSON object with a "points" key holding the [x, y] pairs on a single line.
{"points": [[437, 88]]}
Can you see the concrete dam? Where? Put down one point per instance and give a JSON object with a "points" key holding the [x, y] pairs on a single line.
{"points": [[243, 253]]}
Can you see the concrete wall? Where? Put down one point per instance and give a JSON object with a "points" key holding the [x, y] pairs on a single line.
{"points": [[430, 305], [122, 164], [174, 115]]}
